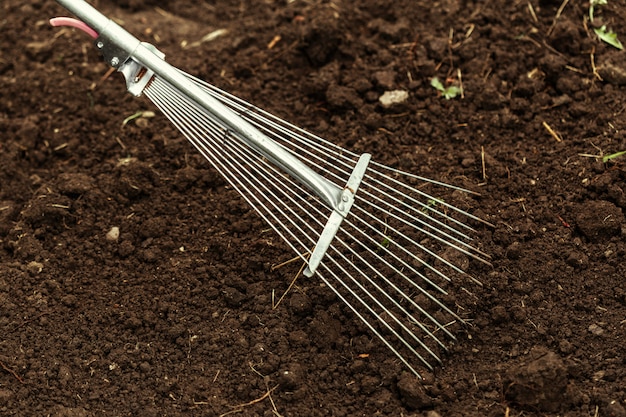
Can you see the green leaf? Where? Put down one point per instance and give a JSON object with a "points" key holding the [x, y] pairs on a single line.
{"points": [[451, 92], [609, 37], [607, 158], [437, 84]]}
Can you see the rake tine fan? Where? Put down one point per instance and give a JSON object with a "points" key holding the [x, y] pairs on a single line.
{"points": [[369, 232]]}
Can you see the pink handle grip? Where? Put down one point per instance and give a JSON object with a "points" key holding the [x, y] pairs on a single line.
{"points": [[75, 23]]}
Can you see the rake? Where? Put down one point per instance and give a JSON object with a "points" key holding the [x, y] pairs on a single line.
{"points": [[369, 232]]}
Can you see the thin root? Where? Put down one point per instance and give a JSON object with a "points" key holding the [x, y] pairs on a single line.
{"points": [[239, 408], [12, 372]]}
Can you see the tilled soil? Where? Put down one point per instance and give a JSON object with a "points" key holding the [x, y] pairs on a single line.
{"points": [[175, 315]]}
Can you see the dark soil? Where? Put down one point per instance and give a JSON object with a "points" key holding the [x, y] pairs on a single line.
{"points": [[174, 317]]}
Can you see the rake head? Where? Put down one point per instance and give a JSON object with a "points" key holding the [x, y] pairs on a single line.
{"points": [[371, 233]]}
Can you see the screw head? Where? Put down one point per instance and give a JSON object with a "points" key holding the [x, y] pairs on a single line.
{"points": [[115, 61], [100, 45]]}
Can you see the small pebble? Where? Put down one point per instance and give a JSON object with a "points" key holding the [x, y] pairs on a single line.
{"points": [[114, 234], [392, 98], [34, 267], [596, 330]]}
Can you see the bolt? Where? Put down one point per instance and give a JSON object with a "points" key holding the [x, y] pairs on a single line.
{"points": [[115, 61], [100, 45]]}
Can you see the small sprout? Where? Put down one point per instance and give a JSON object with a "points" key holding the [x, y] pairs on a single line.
{"points": [[131, 117], [431, 203], [593, 4], [384, 244], [609, 37], [447, 92], [607, 158], [140, 114]]}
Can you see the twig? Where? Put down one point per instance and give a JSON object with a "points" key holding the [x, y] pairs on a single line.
{"points": [[552, 132], [482, 158], [11, 371], [293, 281], [287, 262], [274, 409], [532, 12]]}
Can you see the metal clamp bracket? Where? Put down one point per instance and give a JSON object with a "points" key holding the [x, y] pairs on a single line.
{"points": [[136, 75], [337, 215]]}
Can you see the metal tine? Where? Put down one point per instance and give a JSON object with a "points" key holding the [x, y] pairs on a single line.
{"points": [[413, 242], [293, 132], [262, 173], [431, 234], [186, 123], [250, 117], [404, 265], [413, 200], [420, 212], [272, 177], [184, 126], [295, 184], [243, 150], [406, 251], [461, 243], [418, 220]]}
